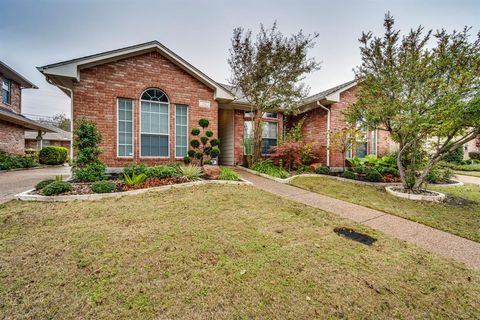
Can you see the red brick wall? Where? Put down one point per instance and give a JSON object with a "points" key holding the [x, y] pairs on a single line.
{"points": [[239, 119], [95, 97], [32, 144], [12, 138], [15, 96], [314, 130]]}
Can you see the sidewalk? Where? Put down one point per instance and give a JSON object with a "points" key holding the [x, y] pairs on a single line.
{"points": [[468, 179], [431, 239]]}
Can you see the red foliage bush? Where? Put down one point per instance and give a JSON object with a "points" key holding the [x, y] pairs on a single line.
{"points": [[287, 155], [153, 182], [389, 178]]}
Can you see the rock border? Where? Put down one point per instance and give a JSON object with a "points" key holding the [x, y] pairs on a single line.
{"points": [[26, 196], [287, 180], [438, 197]]}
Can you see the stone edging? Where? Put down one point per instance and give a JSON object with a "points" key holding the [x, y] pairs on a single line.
{"points": [[456, 184], [287, 180], [26, 196], [438, 197]]}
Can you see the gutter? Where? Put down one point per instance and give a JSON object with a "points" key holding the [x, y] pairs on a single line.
{"points": [[328, 130], [71, 112]]}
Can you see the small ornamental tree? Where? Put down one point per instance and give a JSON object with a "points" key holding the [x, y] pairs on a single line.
{"points": [[269, 69], [204, 146], [86, 165], [342, 140], [419, 90]]}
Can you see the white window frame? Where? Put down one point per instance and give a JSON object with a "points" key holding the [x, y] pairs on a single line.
{"points": [[133, 129], [373, 135], [175, 135], [9, 90], [159, 134]]}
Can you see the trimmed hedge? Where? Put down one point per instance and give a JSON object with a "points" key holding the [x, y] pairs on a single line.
{"points": [[57, 187], [12, 161], [474, 155], [53, 155]]}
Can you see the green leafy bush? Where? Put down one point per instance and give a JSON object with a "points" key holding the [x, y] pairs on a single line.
{"points": [[104, 186], [90, 173], [474, 155], [53, 155], [387, 170], [468, 167], [349, 175], [373, 176], [57, 187], [455, 156], [12, 161], [135, 168], [214, 152], [269, 168], [439, 175], [42, 184], [205, 147], [162, 171], [207, 162], [303, 169], [388, 161], [322, 170], [187, 160], [228, 174], [359, 169], [134, 179], [190, 172]]}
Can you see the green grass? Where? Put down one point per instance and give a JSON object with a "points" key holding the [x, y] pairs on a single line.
{"points": [[269, 168], [215, 252], [468, 173], [228, 174], [461, 218]]}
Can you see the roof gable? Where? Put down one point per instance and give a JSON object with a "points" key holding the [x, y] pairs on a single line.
{"points": [[63, 73]]}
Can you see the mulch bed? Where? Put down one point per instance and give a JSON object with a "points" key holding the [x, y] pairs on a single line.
{"points": [[416, 191]]}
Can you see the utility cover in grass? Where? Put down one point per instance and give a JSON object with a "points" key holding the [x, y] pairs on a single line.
{"points": [[355, 236]]}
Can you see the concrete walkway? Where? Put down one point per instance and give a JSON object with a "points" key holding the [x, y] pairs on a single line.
{"points": [[13, 182], [468, 179], [431, 239]]}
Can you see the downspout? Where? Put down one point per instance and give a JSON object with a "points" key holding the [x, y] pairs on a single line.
{"points": [[328, 131], [71, 114]]}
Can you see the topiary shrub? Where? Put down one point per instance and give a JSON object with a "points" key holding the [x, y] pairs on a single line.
{"points": [[42, 184], [52, 155], [349, 175], [161, 172], [207, 162], [373, 176], [203, 148], [57, 187], [90, 173], [322, 170], [104, 186], [474, 155]]}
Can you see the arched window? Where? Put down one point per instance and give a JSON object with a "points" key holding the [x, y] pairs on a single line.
{"points": [[154, 124]]}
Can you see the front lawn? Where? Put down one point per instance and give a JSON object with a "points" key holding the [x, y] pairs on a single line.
{"points": [[215, 252], [460, 215], [468, 173]]}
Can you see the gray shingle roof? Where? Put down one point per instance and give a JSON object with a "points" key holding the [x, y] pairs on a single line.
{"points": [[57, 134]]}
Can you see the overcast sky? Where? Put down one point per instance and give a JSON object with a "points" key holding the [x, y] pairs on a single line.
{"points": [[39, 32]]}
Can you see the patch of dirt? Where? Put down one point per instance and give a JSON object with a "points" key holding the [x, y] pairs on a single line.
{"points": [[457, 201]]}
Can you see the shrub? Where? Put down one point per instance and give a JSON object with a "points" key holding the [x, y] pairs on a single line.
{"points": [[53, 155], [135, 168], [373, 176], [195, 143], [207, 162], [190, 172], [388, 161], [370, 160], [187, 160], [308, 154], [42, 184], [287, 154], [349, 175], [203, 123], [161, 172], [205, 148], [228, 174], [195, 131], [322, 170], [354, 162], [12, 161], [387, 170], [57, 187], [103, 186], [214, 152], [455, 156], [469, 167], [269, 168], [209, 133], [439, 175], [474, 155], [90, 173], [303, 169], [134, 179], [359, 169]]}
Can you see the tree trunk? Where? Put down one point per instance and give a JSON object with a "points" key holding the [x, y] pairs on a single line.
{"points": [[257, 137], [401, 169]]}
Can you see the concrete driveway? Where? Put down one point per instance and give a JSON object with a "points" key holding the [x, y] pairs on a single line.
{"points": [[468, 179], [13, 182]]}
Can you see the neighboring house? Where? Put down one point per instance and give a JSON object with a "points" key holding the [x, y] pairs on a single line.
{"points": [[471, 146], [57, 137], [323, 114], [12, 123], [146, 99]]}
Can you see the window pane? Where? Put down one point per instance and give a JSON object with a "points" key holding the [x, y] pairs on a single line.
{"points": [[181, 129], [271, 115], [267, 144], [154, 145], [125, 128], [374, 142]]}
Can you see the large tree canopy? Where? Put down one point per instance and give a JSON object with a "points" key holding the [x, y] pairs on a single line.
{"points": [[423, 88], [269, 70]]}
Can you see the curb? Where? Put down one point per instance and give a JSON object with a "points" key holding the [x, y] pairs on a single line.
{"points": [[438, 197], [456, 184], [26, 196]]}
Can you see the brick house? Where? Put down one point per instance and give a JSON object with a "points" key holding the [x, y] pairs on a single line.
{"points": [[57, 137], [12, 123], [322, 113], [146, 99]]}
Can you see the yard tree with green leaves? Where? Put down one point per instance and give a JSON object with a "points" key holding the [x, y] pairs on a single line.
{"points": [[423, 88], [269, 70]]}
